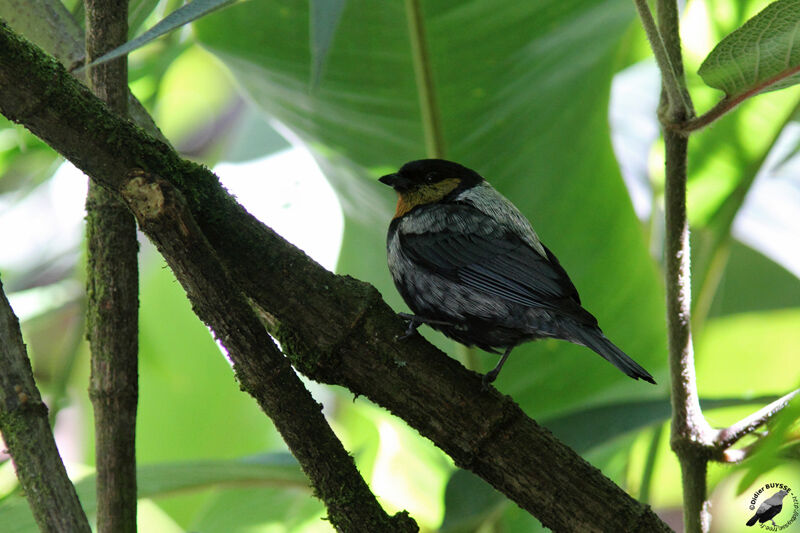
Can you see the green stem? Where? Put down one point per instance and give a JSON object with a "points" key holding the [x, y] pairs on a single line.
{"points": [[431, 117], [431, 121]]}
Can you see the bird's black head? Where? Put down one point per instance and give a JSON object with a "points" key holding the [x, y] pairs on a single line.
{"points": [[428, 181], [424, 173]]}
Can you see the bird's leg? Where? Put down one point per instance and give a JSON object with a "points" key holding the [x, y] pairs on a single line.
{"points": [[415, 321], [492, 374], [413, 324]]}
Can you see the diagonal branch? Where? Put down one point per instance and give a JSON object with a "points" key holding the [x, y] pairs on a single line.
{"points": [[344, 334], [729, 436], [28, 437], [260, 368]]}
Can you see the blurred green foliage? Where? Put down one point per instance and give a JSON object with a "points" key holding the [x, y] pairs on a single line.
{"points": [[522, 90]]}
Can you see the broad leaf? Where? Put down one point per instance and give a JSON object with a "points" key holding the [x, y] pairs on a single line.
{"points": [[469, 501], [764, 54], [165, 478], [138, 11], [522, 92], [586, 429], [325, 15], [257, 509], [776, 287], [181, 366]]}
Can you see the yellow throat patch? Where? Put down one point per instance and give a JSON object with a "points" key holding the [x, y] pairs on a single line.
{"points": [[424, 194]]}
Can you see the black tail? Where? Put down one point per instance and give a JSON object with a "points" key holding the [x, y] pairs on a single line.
{"points": [[595, 340], [753, 520]]}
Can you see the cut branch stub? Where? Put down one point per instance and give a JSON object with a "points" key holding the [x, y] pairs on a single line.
{"points": [[762, 55]]}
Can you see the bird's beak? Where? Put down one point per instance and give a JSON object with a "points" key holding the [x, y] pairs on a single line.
{"points": [[396, 181]]}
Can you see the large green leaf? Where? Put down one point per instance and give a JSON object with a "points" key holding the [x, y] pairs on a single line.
{"points": [[138, 11], [257, 509], [584, 430], [278, 470], [181, 366], [325, 16], [469, 501], [521, 89], [737, 293], [761, 55]]}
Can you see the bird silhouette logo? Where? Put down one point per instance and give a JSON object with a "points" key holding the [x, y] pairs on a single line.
{"points": [[771, 507]]}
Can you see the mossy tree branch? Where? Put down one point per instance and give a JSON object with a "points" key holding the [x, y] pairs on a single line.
{"points": [[260, 367], [334, 328], [113, 295], [28, 437]]}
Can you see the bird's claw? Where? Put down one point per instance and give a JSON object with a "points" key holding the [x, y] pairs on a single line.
{"points": [[487, 379], [413, 324]]}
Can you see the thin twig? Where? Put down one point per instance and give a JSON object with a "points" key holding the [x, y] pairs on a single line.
{"points": [[729, 103], [700, 122], [729, 436]]}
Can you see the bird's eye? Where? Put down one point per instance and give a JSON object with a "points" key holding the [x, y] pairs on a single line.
{"points": [[431, 177]]}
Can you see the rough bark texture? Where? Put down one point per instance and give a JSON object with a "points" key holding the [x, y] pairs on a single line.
{"points": [[113, 291], [260, 368], [334, 328], [28, 438]]}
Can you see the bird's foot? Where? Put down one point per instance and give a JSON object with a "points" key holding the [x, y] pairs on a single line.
{"points": [[415, 321], [488, 378], [491, 375]]}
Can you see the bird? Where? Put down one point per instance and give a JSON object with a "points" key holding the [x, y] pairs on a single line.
{"points": [[769, 509], [469, 264]]}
